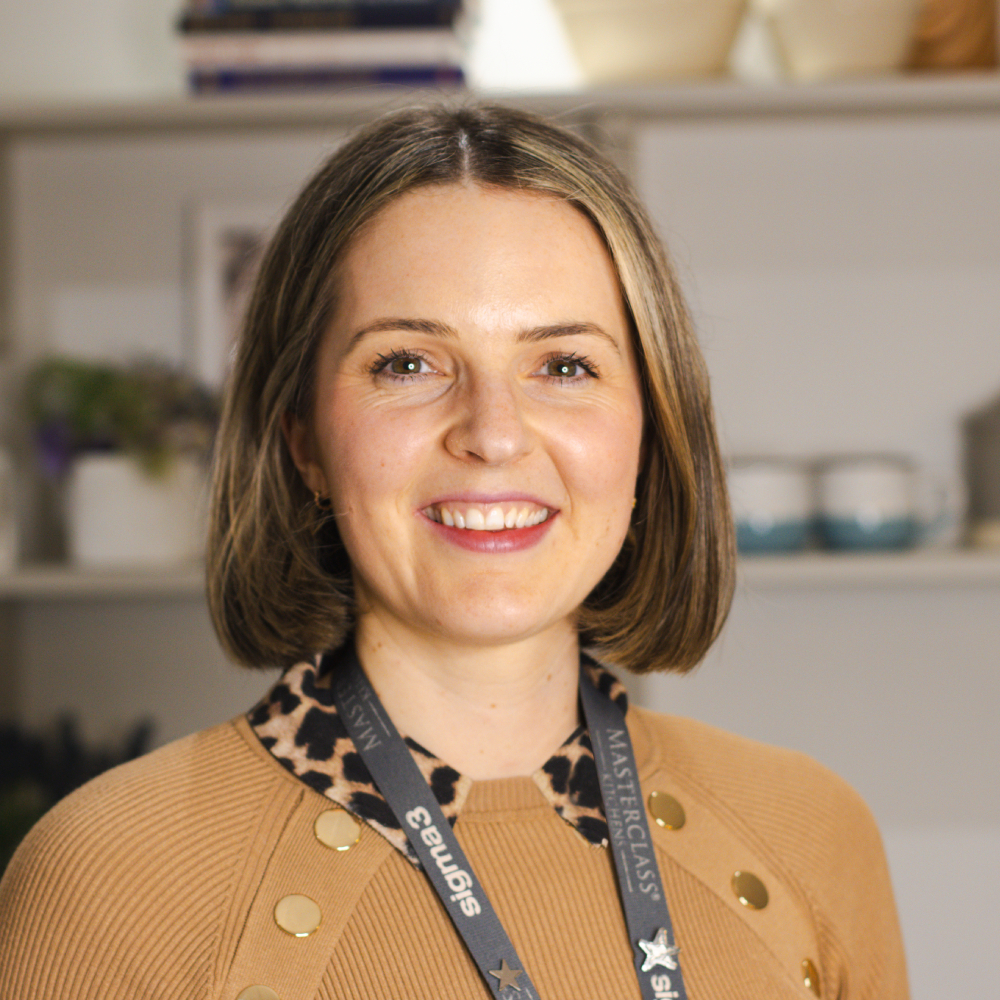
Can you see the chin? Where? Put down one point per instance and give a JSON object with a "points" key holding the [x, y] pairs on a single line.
{"points": [[497, 622]]}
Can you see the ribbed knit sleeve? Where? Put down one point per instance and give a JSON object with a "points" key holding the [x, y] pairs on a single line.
{"points": [[122, 891]]}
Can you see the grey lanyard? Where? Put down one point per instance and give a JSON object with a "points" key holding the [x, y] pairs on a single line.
{"points": [[444, 862]]}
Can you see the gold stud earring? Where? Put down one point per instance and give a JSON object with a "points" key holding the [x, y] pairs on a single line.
{"points": [[633, 502], [323, 503]]}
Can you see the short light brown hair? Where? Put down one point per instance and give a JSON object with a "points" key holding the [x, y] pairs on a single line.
{"points": [[279, 580]]}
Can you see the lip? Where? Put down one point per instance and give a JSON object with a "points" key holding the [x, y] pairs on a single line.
{"points": [[492, 542]]}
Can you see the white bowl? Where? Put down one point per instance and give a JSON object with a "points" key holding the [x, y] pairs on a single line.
{"points": [[820, 39], [634, 41]]}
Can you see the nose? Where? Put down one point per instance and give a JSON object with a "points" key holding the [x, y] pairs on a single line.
{"points": [[488, 424]]}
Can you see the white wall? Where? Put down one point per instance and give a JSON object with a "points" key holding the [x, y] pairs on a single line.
{"points": [[62, 48], [111, 662], [111, 217], [898, 691], [845, 275], [845, 278]]}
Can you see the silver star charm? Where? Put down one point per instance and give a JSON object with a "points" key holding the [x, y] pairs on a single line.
{"points": [[659, 951], [507, 975]]}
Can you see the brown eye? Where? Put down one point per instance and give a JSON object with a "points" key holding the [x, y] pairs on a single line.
{"points": [[562, 368], [405, 366]]}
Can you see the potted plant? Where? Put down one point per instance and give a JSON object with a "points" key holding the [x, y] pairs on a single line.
{"points": [[131, 443]]}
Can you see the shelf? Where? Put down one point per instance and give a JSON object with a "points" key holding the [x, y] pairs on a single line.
{"points": [[921, 568], [897, 94], [932, 568], [56, 582]]}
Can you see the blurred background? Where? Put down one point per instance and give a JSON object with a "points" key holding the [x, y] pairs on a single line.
{"points": [[826, 174]]}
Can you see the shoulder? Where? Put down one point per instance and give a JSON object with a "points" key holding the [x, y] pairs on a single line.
{"points": [[738, 768], [813, 829], [161, 800], [145, 852], [804, 812]]}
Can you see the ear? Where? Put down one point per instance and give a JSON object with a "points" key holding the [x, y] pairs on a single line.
{"points": [[301, 445]]}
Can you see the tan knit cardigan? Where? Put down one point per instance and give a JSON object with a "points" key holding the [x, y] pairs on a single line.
{"points": [[159, 881]]}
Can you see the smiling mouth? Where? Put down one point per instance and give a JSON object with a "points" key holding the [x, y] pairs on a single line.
{"points": [[487, 517]]}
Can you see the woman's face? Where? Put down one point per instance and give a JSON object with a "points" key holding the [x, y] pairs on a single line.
{"points": [[478, 416]]}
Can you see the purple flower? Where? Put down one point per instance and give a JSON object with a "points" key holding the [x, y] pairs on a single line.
{"points": [[55, 448]]}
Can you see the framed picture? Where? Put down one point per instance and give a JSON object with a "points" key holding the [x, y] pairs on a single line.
{"points": [[227, 244]]}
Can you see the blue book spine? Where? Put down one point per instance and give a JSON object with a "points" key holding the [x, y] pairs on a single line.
{"points": [[225, 16], [261, 80]]}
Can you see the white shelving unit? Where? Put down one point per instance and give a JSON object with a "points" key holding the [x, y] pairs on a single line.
{"points": [[921, 568], [971, 92], [611, 115], [43, 582], [814, 571]]}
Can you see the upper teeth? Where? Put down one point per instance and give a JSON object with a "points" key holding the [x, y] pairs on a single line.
{"points": [[495, 517]]}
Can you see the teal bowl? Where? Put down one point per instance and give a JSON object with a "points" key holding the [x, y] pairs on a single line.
{"points": [[850, 533], [772, 538]]}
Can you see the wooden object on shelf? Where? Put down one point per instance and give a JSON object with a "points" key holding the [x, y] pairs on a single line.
{"points": [[955, 35], [982, 472]]}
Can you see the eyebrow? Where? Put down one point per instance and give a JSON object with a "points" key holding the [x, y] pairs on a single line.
{"points": [[435, 328], [538, 333], [429, 326]]}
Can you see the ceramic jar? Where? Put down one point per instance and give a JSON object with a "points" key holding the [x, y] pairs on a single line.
{"points": [[772, 502], [117, 515], [631, 41], [818, 39]]}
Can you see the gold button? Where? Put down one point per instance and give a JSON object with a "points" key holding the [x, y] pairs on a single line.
{"points": [[337, 829], [297, 915], [809, 976], [749, 889], [666, 810], [258, 993]]}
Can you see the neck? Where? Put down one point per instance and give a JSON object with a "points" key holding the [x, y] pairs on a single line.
{"points": [[493, 712]]}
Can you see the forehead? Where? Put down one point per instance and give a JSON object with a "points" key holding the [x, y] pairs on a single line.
{"points": [[451, 246]]}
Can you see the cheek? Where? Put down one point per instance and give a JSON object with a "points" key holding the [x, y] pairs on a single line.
{"points": [[601, 460], [370, 454]]}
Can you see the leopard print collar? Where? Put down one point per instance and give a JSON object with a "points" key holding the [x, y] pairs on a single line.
{"points": [[297, 722]]}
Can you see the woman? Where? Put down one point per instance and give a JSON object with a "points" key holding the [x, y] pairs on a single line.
{"points": [[468, 432]]}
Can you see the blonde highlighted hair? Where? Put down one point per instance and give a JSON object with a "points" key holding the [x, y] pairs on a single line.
{"points": [[279, 580]]}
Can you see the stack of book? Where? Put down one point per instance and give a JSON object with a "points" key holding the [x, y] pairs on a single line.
{"points": [[260, 45]]}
